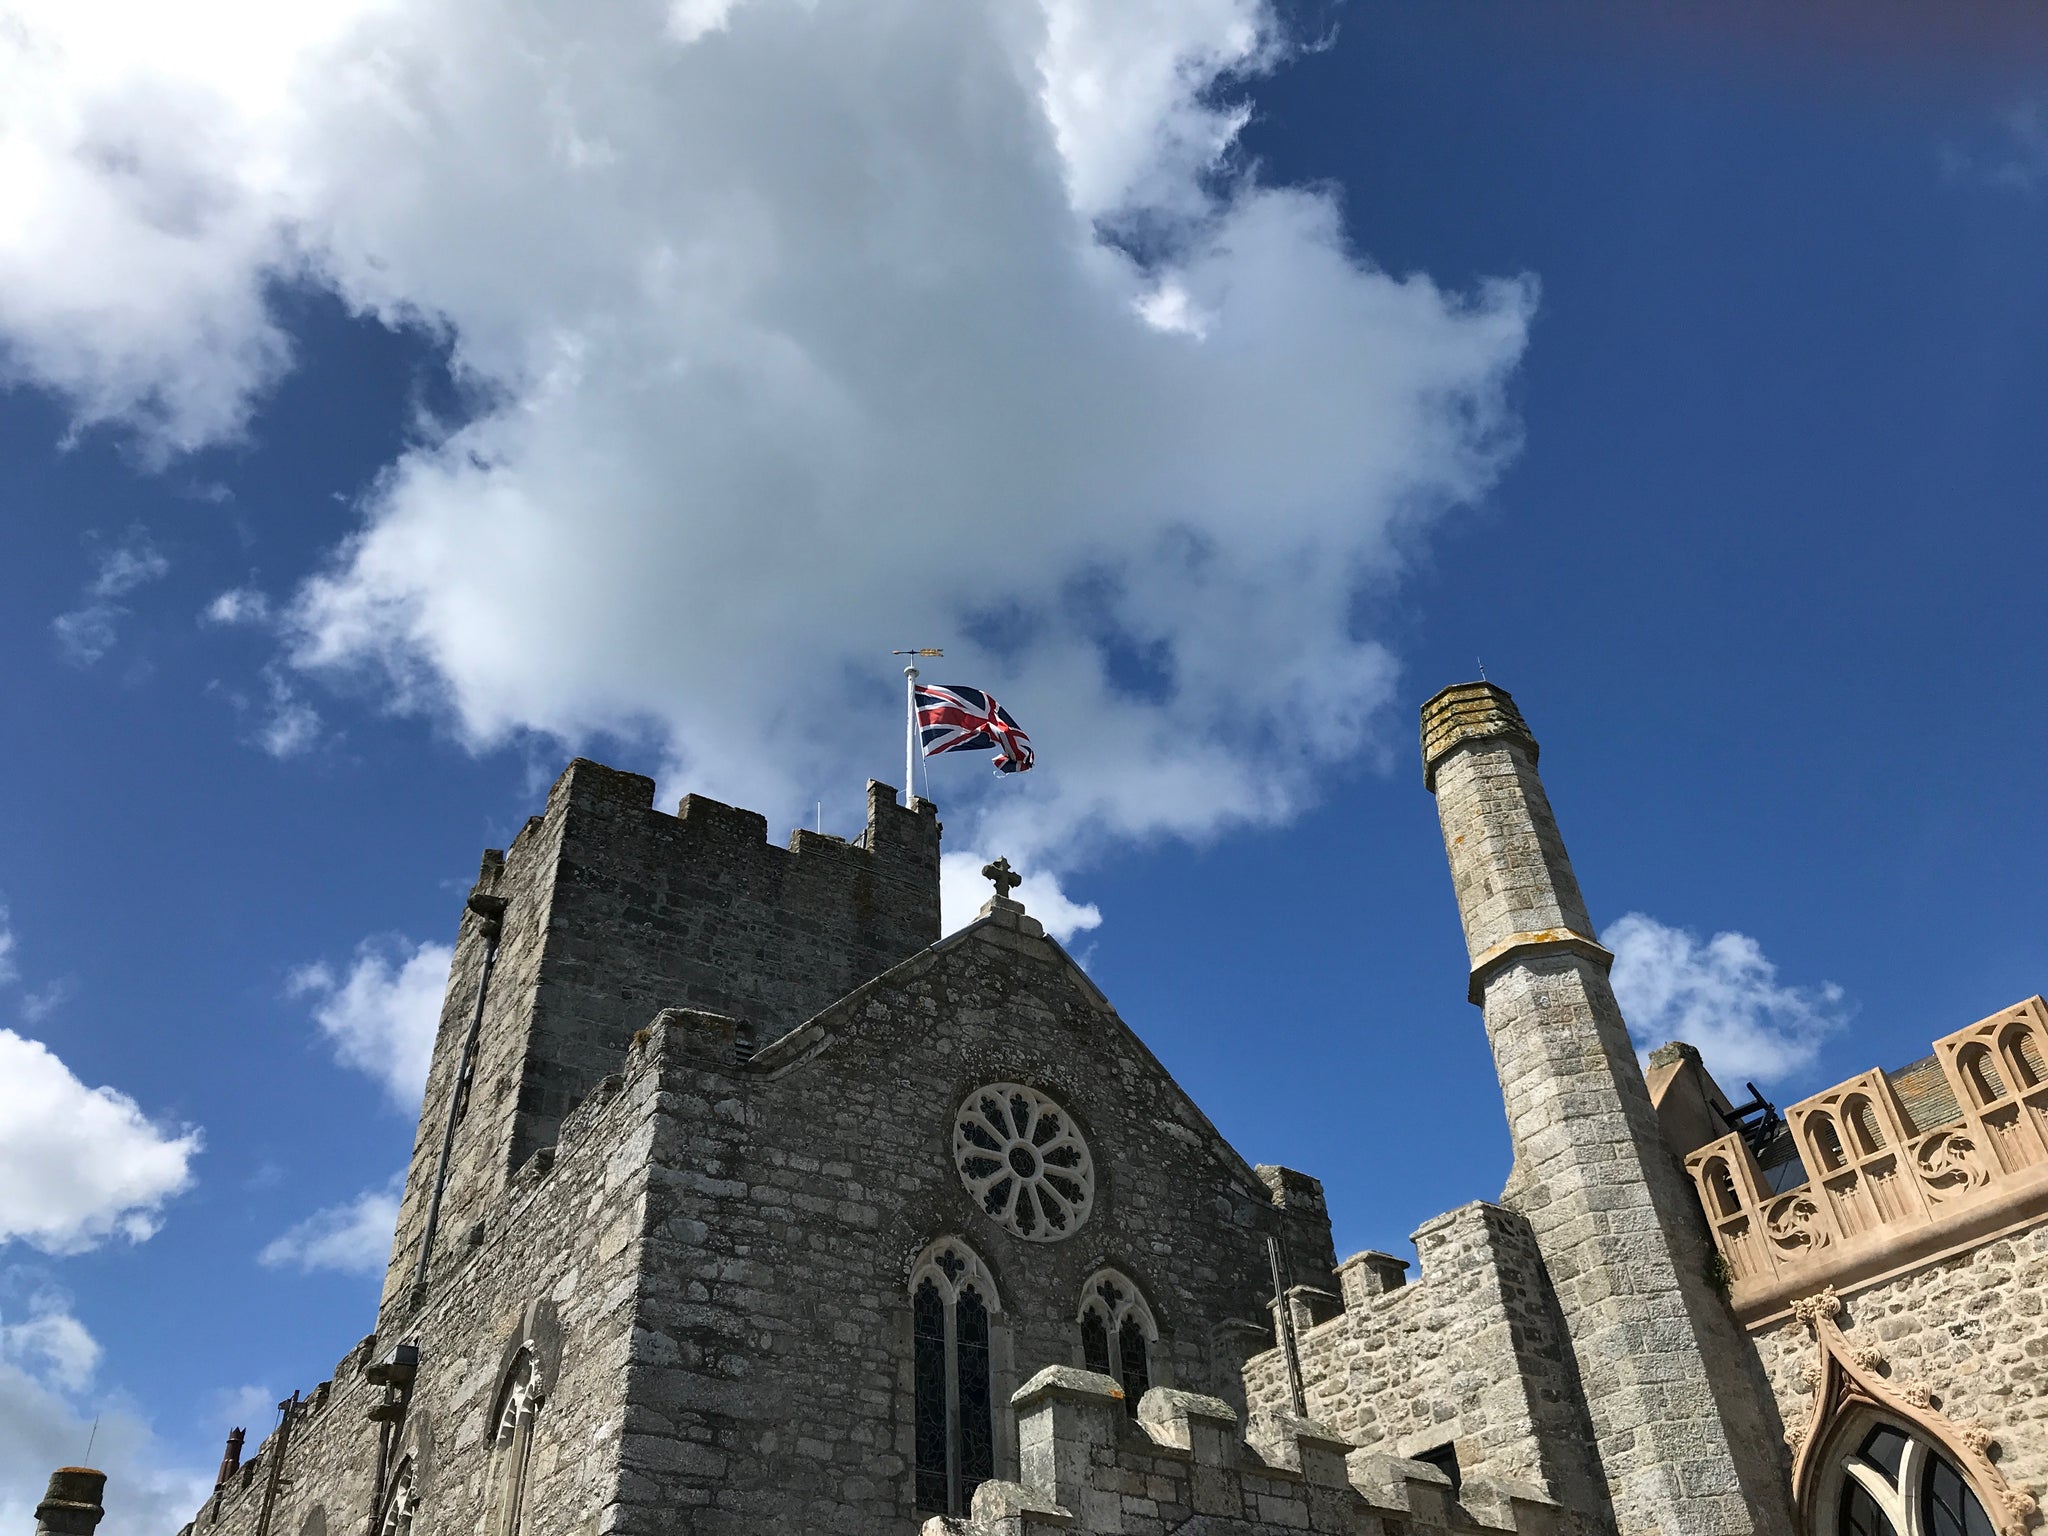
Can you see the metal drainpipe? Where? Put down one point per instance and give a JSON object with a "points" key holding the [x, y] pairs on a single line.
{"points": [[490, 912]]}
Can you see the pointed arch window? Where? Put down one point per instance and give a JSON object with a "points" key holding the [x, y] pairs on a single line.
{"points": [[1118, 1334], [1896, 1484], [952, 1301], [400, 1504], [518, 1405]]}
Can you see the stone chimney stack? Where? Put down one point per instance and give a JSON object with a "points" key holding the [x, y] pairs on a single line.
{"points": [[1682, 1433], [72, 1505]]}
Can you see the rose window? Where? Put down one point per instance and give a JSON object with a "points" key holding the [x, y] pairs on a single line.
{"points": [[1022, 1157]]}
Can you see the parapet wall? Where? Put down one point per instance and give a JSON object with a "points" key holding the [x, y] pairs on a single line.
{"points": [[1089, 1469], [1471, 1355], [1904, 1169]]}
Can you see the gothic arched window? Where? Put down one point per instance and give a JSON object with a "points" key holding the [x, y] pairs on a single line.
{"points": [[518, 1403], [1981, 1074], [952, 1299], [1896, 1484], [1117, 1333], [400, 1503]]}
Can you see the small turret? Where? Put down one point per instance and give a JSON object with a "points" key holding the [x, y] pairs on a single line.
{"points": [[1678, 1423], [72, 1506]]}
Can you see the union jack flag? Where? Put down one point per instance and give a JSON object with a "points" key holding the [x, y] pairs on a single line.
{"points": [[960, 719]]}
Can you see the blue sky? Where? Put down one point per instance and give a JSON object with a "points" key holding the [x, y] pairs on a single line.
{"points": [[357, 469]]}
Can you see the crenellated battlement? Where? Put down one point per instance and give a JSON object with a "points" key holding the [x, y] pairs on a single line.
{"points": [[1089, 1469], [604, 911], [1893, 1169], [1388, 1368]]}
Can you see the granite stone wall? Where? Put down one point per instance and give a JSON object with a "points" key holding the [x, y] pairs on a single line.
{"points": [[1471, 1354], [552, 1264], [1090, 1469], [615, 910], [1972, 1329], [793, 1192]]}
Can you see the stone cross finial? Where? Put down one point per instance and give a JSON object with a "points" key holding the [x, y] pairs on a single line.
{"points": [[1004, 878]]}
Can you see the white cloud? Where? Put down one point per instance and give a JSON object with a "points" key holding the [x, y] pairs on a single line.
{"points": [[38, 1005], [353, 1237], [88, 632], [79, 1165], [290, 726], [48, 1411], [8, 972], [1721, 995], [238, 605], [804, 339], [382, 1016]]}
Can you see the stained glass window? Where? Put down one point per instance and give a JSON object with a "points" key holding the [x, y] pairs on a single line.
{"points": [[1117, 1334], [952, 1302], [1136, 1363], [1898, 1484], [1095, 1341], [1947, 1507], [977, 1412], [928, 1327]]}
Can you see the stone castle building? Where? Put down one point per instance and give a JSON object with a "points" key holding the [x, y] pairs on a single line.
{"points": [[744, 1203]]}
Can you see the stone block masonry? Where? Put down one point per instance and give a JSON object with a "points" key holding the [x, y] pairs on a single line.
{"points": [[1471, 1355], [1682, 1426], [1088, 1469], [551, 1266], [613, 911]]}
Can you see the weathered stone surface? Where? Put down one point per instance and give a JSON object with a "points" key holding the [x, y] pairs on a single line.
{"points": [[713, 1133]]}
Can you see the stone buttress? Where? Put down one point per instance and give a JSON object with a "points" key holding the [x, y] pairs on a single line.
{"points": [[1683, 1437]]}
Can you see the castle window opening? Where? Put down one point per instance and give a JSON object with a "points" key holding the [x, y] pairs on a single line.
{"points": [[952, 1302], [519, 1402], [1445, 1459], [1118, 1334], [401, 1503]]}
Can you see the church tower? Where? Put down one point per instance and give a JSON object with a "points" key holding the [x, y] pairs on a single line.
{"points": [[1682, 1431]]}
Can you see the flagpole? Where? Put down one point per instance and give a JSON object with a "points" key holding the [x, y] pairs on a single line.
{"points": [[910, 737], [910, 742]]}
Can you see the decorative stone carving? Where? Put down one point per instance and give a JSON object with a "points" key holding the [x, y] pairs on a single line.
{"points": [[1849, 1387], [1810, 1310], [1023, 1158], [1795, 1223], [1950, 1164]]}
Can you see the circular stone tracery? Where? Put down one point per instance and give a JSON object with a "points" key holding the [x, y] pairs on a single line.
{"points": [[1023, 1158]]}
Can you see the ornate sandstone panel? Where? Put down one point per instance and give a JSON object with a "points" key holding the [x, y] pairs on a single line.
{"points": [[1885, 1193]]}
